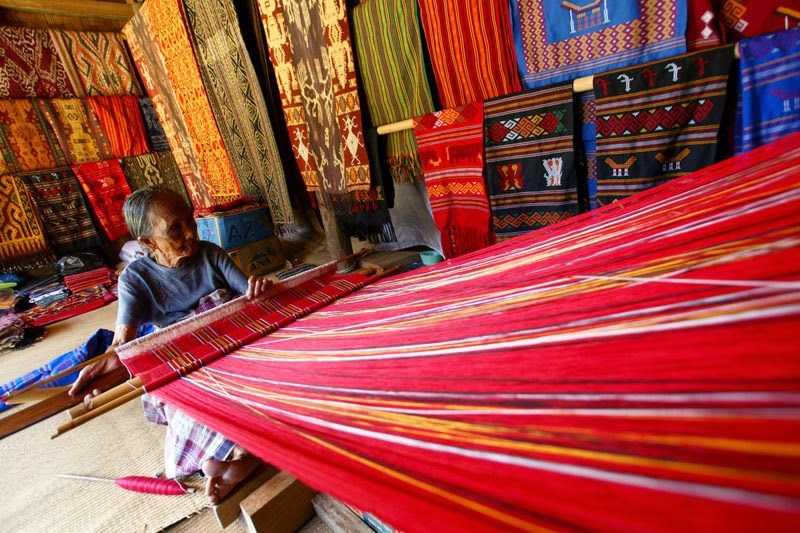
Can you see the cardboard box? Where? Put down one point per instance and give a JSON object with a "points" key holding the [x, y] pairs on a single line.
{"points": [[237, 227], [259, 257]]}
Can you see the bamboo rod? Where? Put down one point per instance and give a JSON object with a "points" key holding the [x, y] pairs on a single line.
{"points": [[579, 85]]}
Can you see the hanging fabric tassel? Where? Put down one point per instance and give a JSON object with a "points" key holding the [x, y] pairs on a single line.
{"points": [[145, 484]]}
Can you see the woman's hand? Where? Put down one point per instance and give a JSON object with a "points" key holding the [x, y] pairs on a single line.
{"points": [[257, 286], [90, 372]]}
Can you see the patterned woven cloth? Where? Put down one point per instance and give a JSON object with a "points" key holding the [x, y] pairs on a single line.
{"points": [[321, 64], [23, 246], [702, 25], [560, 41], [59, 203], [239, 107], [471, 48], [587, 162], [101, 61], [155, 132], [451, 151], [769, 89], [390, 60], [122, 122], [77, 129], [658, 121], [30, 66], [741, 19], [105, 188], [530, 160], [157, 168], [27, 141]]}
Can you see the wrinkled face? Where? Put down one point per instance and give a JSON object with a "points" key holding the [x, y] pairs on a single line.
{"points": [[174, 235]]}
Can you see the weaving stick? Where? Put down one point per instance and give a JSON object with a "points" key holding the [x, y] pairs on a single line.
{"points": [[143, 484]]}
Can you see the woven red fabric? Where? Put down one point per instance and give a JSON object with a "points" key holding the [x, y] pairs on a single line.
{"points": [[106, 188], [122, 121]]}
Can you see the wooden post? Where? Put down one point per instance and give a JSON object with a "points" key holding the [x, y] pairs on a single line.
{"points": [[228, 510], [281, 505], [337, 516], [339, 244]]}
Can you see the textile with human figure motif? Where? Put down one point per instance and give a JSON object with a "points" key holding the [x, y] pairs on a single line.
{"points": [[23, 246], [451, 152], [27, 141], [59, 203], [530, 160], [471, 49], [658, 121], [30, 66], [769, 89], [558, 40], [105, 188]]}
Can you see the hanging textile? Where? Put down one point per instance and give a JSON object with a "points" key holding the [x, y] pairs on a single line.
{"points": [[166, 26], [451, 151], [235, 95], [769, 89], [27, 141], [101, 61], [645, 352], [23, 246], [702, 26], [471, 49], [157, 168], [658, 121], [30, 66], [59, 203], [582, 38], [77, 128], [122, 122], [742, 19], [390, 60], [530, 160], [106, 189], [587, 163], [155, 132]]}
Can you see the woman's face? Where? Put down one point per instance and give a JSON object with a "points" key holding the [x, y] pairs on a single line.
{"points": [[174, 236]]}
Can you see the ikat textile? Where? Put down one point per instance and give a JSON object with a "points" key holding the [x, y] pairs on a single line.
{"points": [[645, 352], [587, 193], [101, 61], [105, 188], [22, 246], [390, 59], [77, 128], [27, 141], [451, 151], [166, 26], [59, 203], [742, 19], [30, 66], [702, 26], [471, 48], [586, 37], [155, 132], [769, 89], [319, 76], [123, 124], [658, 121], [238, 103], [530, 160], [157, 168]]}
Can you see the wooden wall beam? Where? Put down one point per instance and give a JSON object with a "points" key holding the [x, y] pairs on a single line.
{"points": [[83, 8]]}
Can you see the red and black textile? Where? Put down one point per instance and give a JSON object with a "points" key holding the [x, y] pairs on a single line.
{"points": [[658, 121], [106, 188], [73, 305], [62, 210], [30, 66], [451, 151], [122, 121], [530, 160], [741, 19], [471, 49]]}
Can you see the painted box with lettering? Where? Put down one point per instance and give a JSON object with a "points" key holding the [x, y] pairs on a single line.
{"points": [[259, 257], [236, 228]]}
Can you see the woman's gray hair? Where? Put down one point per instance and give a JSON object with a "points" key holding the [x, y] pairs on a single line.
{"points": [[137, 209]]}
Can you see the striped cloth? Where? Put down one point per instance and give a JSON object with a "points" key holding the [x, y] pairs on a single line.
{"points": [[23, 246], [30, 66], [768, 105], [530, 160], [390, 60], [658, 121], [121, 120], [587, 186], [451, 151], [106, 189], [559, 41], [471, 49]]}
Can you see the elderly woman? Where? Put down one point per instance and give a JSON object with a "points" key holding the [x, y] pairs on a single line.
{"points": [[161, 288]]}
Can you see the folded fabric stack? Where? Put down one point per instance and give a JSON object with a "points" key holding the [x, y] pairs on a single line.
{"points": [[88, 280], [49, 293], [17, 333]]}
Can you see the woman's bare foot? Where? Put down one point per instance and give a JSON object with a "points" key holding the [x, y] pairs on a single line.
{"points": [[223, 476]]}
